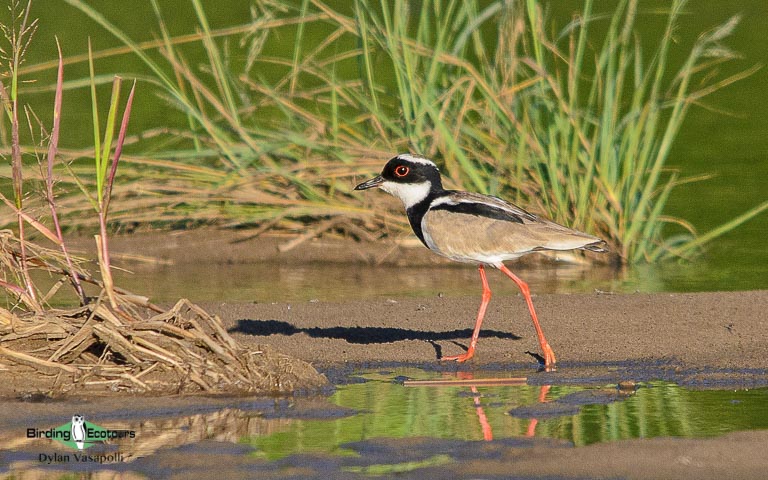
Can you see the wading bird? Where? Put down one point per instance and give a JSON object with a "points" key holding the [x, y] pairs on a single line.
{"points": [[474, 228]]}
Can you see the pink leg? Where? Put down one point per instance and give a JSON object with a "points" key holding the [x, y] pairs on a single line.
{"points": [[484, 424], [549, 355], [480, 314], [534, 421]]}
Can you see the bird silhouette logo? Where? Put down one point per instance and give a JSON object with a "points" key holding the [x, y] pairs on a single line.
{"points": [[81, 435], [78, 431]]}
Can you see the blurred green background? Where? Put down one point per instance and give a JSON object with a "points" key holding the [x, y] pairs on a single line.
{"points": [[724, 137]]}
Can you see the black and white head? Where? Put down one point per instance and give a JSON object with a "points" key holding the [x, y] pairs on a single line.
{"points": [[411, 178]]}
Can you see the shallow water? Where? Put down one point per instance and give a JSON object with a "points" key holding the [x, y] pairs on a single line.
{"points": [[275, 282], [389, 405], [291, 282], [430, 425]]}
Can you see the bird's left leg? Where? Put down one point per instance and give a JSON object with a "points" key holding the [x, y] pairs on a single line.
{"points": [[549, 355]]}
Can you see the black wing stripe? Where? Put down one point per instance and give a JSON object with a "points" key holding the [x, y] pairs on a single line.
{"points": [[480, 210]]}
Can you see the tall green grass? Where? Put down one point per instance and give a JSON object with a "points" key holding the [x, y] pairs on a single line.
{"points": [[17, 254], [573, 121]]}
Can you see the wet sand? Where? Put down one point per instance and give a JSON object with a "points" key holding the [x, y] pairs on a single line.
{"points": [[723, 330]]}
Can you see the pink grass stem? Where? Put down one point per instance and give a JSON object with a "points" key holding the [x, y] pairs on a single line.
{"points": [[52, 151]]}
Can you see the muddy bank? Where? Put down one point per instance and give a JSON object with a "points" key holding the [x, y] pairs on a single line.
{"points": [[721, 329], [738, 455]]}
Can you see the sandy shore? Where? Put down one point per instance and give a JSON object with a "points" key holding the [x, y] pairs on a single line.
{"points": [[722, 330]]}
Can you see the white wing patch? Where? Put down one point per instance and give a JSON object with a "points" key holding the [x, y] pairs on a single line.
{"points": [[469, 198]]}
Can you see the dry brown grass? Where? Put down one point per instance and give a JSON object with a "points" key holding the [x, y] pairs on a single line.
{"points": [[94, 349], [126, 343]]}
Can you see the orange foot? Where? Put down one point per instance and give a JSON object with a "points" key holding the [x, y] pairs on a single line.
{"points": [[549, 357], [459, 358]]}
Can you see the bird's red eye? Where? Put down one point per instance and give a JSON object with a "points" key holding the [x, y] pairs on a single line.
{"points": [[402, 171]]}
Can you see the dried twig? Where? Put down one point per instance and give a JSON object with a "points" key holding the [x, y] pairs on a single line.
{"points": [[37, 363], [184, 349]]}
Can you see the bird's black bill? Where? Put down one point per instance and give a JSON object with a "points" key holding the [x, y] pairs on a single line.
{"points": [[374, 182]]}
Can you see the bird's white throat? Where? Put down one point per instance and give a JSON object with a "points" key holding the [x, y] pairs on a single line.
{"points": [[409, 193]]}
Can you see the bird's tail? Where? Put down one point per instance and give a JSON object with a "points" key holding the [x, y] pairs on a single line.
{"points": [[599, 246]]}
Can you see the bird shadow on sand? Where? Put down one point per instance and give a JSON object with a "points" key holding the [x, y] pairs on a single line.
{"points": [[362, 335]]}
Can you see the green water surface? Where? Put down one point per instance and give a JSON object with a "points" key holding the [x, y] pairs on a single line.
{"points": [[579, 414], [376, 422]]}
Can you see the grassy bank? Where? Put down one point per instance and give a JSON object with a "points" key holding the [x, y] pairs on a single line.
{"points": [[282, 114]]}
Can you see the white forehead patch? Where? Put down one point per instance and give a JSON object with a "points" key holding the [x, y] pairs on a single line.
{"points": [[417, 159], [409, 193]]}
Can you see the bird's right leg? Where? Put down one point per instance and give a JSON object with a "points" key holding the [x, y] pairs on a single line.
{"points": [[480, 314]]}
